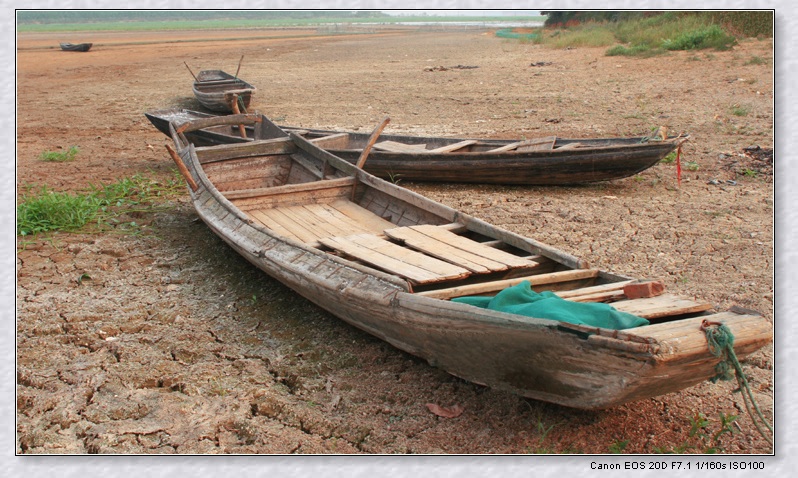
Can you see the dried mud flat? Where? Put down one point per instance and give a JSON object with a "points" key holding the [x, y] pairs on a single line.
{"points": [[168, 342]]}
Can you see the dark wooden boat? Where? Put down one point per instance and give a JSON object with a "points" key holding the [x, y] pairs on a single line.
{"points": [[544, 161], [397, 265], [222, 92], [76, 46]]}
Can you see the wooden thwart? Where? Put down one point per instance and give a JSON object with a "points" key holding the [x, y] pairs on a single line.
{"points": [[453, 147], [661, 306], [383, 254], [596, 293], [291, 188], [542, 144], [495, 286], [331, 140], [527, 145], [396, 147]]}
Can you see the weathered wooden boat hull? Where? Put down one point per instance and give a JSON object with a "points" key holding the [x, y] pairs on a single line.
{"points": [[76, 46], [595, 160], [234, 187], [219, 91]]}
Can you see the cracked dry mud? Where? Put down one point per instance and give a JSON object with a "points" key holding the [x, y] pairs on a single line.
{"points": [[168, 342]]}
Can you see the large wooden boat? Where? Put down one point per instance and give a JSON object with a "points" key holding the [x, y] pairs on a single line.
{"points": [[544, 161], [76, 46], [419, 274], [222, 92]]}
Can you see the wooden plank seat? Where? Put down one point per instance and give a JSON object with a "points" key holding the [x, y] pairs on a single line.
{"points": [[221, 81], [446, 245], [492, 287], [527, 145], [414, 266], [570, 146], [292, 188], [453, 147], [661, 306], [543, 144], [397, 147], [331, 140], [597, 293]]}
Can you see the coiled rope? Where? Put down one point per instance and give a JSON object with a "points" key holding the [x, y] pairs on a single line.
{"points": [[721, 344]]}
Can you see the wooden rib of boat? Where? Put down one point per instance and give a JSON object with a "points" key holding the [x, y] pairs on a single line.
{"points": [[222, 92], [76, 46], [391, 262], [544, 161]]}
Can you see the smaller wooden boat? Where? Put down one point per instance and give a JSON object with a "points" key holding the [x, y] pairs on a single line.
{"points": [[76, 46], [545, 161], [222, 92], [449, 287]]}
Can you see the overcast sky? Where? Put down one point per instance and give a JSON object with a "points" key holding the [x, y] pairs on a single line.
{"points": [[481, 13]]}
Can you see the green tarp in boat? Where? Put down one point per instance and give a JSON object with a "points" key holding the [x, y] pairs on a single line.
{"points": [[522, 300]]}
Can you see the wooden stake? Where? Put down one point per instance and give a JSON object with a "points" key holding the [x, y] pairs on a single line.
{"points": [[372, 139], [192, 73], [236, 111], [239, 65], [182, 168], [365, 153]]}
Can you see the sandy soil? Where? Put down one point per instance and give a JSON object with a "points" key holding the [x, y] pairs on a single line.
{"points": [[168, 342]]}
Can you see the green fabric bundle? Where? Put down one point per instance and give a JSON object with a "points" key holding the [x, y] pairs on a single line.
{"points": [[522, 300]]}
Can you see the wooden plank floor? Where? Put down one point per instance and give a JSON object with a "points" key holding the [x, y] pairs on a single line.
{"points": [[422, 254], [311, 222], [383, 254], [444, 244]]}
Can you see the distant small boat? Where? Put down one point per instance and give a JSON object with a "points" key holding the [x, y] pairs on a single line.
{"points": [[222, 92], [76, 46]]}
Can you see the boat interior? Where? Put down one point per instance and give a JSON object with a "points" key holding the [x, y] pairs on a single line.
{"points": [[302, 197], [332, 140]]}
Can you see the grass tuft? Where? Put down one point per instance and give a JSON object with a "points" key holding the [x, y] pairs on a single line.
{"points": [[44, 210], [60, 156], [48, 210]]}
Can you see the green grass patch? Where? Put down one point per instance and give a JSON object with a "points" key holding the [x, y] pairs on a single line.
{"points": [[47, 210], [647, 35], [587, 35], [60, 156], [756, 60], [642, 51], [739, 110], [44, 210], [671, 157], [711, 36], [701, 438]]}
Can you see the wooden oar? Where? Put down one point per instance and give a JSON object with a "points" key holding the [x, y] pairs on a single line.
{"points": [[372, 139]]}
